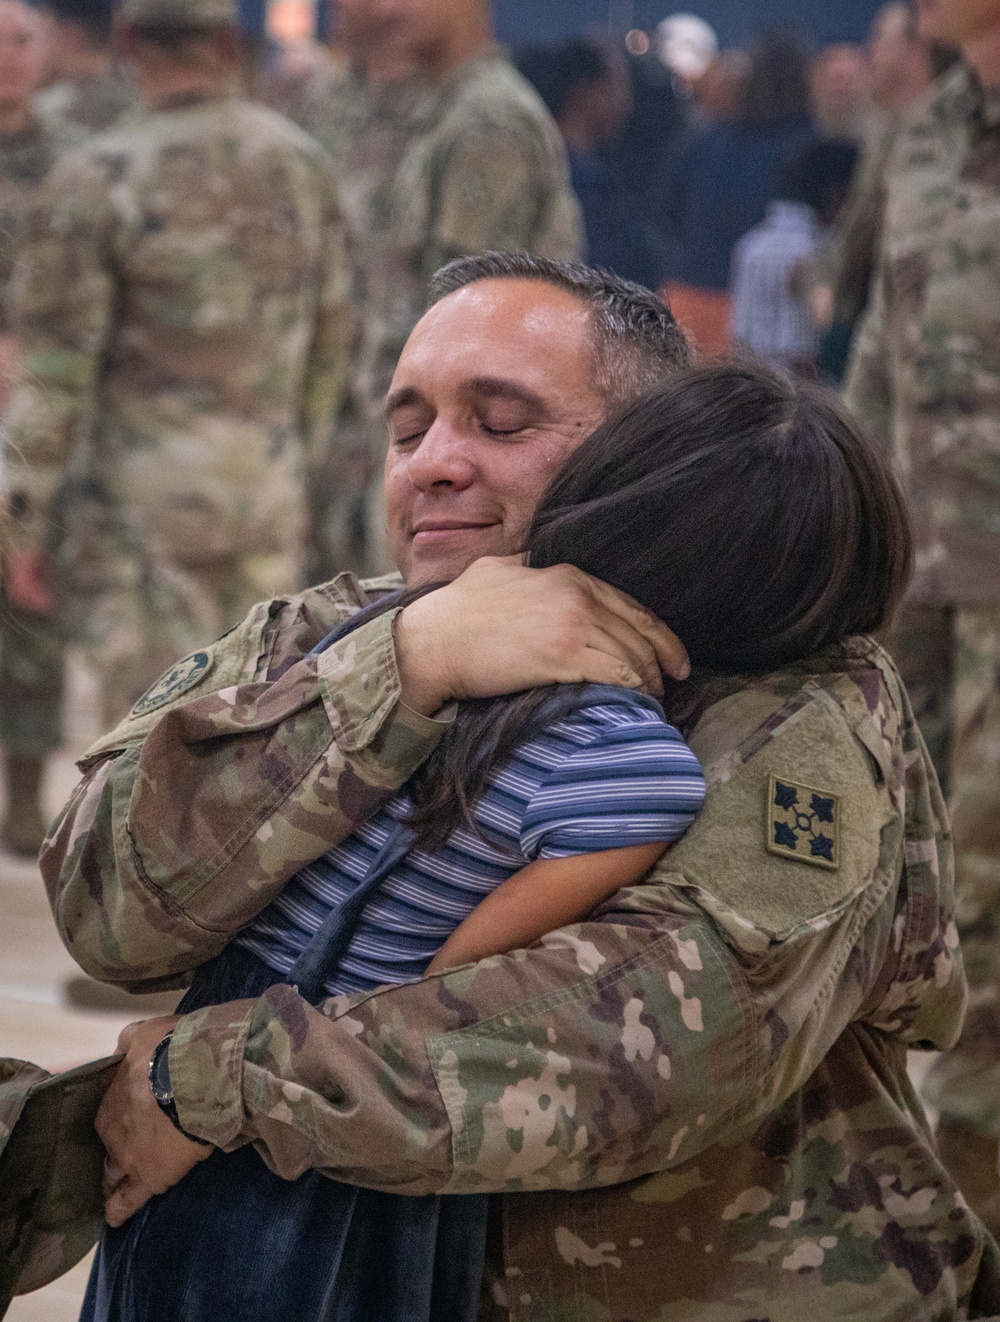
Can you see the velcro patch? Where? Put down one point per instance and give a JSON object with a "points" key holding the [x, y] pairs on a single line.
{"points": [[178, 679], [803, 823]]}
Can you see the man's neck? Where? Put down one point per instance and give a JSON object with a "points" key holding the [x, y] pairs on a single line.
{"points": [[913, 80], [983, 54], [14, 119], [164, 87], [382, 67], [470, 35]]}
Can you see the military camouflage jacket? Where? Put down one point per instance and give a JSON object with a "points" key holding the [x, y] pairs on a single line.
{"points": [[487, 171], [182, 307], [926, 368], [92, 104], [25, 160], [695, 1103]]}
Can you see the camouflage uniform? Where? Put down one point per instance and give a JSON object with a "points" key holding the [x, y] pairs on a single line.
{"points": [[31, 665], [926, 378], [366, 131], [90, 104], [695, 1103], [183, 317], [478, 165]]}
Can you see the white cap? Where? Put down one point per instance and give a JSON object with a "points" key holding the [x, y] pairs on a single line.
{"points": [[687, 44]]}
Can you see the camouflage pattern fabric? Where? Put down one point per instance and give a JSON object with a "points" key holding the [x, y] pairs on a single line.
{"points": [[184, 317], [926, 378], [695, 1103], [51, 1209], [90, 104], [950, 658], [366, 131], [926, 370], [31, 663], [475, 166]]}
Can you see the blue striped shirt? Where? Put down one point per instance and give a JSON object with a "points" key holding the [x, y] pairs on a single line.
{"points": [[609, 775]]}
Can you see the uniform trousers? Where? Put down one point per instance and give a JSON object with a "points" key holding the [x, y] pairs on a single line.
{"points": [[949, 657]]}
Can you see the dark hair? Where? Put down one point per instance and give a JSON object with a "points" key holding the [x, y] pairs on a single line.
{"points": [[746, 510], [636, 341], [95, 17], [556, 72], [819, 175], [776, 90]]}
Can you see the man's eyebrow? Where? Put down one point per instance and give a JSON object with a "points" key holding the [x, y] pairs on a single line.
{"points": [[495, 387], [402, 398]]}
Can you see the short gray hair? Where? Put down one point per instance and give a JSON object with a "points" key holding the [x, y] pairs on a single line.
{"points": [[636, 341]]}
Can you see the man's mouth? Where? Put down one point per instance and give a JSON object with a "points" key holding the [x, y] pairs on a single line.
{"points": [[430, 531]]}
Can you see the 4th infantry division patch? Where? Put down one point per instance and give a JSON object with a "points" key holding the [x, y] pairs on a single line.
{"points": [[803, 823]]}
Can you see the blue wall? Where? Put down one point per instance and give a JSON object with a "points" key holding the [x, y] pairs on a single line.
{"points": [[734, 20]]}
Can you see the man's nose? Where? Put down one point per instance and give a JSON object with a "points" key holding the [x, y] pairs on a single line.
{"points": [[442, 458]]}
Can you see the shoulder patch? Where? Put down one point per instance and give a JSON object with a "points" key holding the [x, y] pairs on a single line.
{"points": [[803, 823], [178, 679]]}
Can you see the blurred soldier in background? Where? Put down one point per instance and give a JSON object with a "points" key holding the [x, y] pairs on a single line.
{"points": [[926, 377], [484, 169], [182, 317], [841, 97], [88, 88], [30, 654], [902, 64], [366, 113]]}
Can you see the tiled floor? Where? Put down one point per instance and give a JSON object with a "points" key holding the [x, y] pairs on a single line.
{"points": [[35, 1022]]}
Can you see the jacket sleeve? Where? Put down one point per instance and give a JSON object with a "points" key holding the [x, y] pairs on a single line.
{"points": [[868, 391], [686, 1009], [334, 333], [189, 821], [63, 300]]}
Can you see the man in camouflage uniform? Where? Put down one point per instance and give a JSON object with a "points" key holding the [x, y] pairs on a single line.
{"points": [[30, 652], [89, 89], [468, 163], [926, 378], [695, 1103], [183, 320]]}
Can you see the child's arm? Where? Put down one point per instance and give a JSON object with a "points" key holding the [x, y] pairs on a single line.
{"points": [[547, 894]]}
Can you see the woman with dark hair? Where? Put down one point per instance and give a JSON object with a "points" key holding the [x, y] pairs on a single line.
{"points": [[751, 513], [729, 174]]}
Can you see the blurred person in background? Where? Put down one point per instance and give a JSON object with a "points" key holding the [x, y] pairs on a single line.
{"points": [[585, 85], [366, 111], [642, 159], [903, 64], [484, 169], [87, 87], [773, 264], [182, 314], [841, 98], [30, 651], [729, 174], [925, 377]]}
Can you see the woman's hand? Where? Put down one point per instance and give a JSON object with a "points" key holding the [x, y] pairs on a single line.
{"points": [[501, 627]]}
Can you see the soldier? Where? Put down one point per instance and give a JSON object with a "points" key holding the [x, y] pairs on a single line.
{"points": [[30, 652], [366, 114], [926, 378], [695, 1103], [88, 89], [183, 319], [482, 167]]}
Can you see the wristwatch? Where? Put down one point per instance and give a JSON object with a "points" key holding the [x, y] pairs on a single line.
{"points": [[163, 1093]]}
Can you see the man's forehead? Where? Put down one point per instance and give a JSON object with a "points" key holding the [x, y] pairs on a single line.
{"points": [[501, 330]]}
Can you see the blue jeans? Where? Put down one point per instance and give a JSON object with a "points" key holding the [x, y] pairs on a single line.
{"points": [[234, 1241]]}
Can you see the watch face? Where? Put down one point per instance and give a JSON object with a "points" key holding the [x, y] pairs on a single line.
{"points": [[159, 1073]]}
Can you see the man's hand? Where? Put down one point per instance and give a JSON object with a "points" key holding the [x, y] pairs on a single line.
{"points": [[146, 1154], [500, 627]]}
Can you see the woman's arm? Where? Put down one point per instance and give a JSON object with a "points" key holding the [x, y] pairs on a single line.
{"points": [[544, 896]]}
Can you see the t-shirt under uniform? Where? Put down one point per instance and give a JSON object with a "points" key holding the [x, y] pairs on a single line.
{"points": [[607, 776]]}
